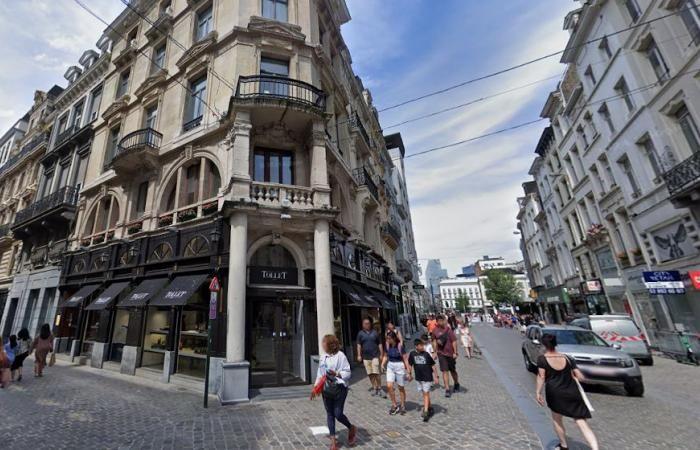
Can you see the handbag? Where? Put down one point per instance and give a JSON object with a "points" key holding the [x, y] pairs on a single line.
{"points": [[586, 401], [331, 388], [52, 359]]}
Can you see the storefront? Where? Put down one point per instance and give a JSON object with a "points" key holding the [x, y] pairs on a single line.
{"points": [[99, 316], [70, 318], [553, 303], [595, 297]]}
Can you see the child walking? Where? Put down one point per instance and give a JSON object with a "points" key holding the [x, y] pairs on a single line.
{"points": [[422, 364]]}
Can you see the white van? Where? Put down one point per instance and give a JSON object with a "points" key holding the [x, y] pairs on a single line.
{"points": [[619, 330]]}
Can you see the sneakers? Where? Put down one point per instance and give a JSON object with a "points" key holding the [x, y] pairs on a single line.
{"points": [[456, 388], [426, 416], [394, 410], [431, 411], [381, 393], [448, 393], [402, 411], [374, 393]]}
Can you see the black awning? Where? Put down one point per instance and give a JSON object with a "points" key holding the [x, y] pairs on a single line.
{"points": [[179, 291], [386, 302], [354, 298], [143, 292], [76, 300], [370, 300], [107, 297]]}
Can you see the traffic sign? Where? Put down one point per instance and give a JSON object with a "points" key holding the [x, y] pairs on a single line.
{"points": [[214, 285], [212, 305]]}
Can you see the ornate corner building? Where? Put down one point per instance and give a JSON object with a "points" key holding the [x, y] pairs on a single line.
{"points": [[213, 138]]}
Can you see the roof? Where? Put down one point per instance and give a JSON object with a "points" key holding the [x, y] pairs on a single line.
{"points": [[55, 91], [545, 139], [395, 141]]}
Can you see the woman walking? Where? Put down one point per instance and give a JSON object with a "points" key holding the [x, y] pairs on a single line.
{"points": [[332, 383], [467, 341], [42, 346], [560, 375], [24, 346], [396, 364], [5, 364]]}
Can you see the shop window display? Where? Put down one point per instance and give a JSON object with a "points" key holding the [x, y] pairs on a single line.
{"points": [[156, 339], [121, 326], [192, 348]]}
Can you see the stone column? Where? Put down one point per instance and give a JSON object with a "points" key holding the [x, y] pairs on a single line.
{"points": [[319, 165], [239, 158], [235, 370], [324, 287]]}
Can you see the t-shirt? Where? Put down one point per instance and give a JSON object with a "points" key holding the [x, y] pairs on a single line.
{"points": [[447, 349], [423, 364], [369, 342], [431, 324], [395, 354]]}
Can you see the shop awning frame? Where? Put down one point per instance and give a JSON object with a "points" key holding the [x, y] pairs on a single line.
{"points": [[354, 297], [369, 299], [108, 296], [76, 300], [142, 293], [179, 291], [385, 301]]}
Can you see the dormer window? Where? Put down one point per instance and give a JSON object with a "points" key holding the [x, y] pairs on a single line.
{"points": [[275, 9]]}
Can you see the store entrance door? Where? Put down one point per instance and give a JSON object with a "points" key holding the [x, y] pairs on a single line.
{"points": [[276, 343], [10, 317]]}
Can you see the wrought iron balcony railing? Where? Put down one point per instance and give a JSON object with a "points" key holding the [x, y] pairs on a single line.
{"points": [[362, 130], [363, 178], [28, 148], [67, 195], [192, 124], [64, 135], [392, 230], [683, 174], [5, 230], [274, 87], [147, 137]]}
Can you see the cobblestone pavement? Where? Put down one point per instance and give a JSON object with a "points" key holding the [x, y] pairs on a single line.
{"points": [[78, 407], [666, 417]]}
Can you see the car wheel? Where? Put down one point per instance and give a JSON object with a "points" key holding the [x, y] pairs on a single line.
{"points": [[647, 361], [528, 364], [634, 388]]}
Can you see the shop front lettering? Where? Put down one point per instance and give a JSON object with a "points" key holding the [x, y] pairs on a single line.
{"points": [[139, 296], [269, 275], [175, 294]]}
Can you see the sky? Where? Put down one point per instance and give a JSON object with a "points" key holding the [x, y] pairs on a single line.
{"points": [[463, 200]]}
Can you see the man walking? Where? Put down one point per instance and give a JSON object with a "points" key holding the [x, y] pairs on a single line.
{"points": [[445, 341], [370, 352]]}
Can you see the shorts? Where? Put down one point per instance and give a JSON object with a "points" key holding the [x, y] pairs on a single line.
{"points": [[396, 373], [424, 386], [447, 363], [372, 366]]}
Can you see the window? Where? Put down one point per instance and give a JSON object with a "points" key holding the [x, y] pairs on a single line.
{"points": [[274, 166], [150, 116], [275, 9], [62, 123], [689, 128], [158, 59], [657, 61], [104, 216], [191, 184], [590, 75], [63, 171], [79, 174], [649, 150], [604, 46], [141, 196], [582, 134], [608, 170], [204, 23], [623, 91], [626, 168], [94, 109], [605, 114], [78, 114], [123, 86], [596, 177], [633, 9], [588, 118], [194, 109], [132, 36], [112, 144], [276, 67], [690, 14], [189, 188]]}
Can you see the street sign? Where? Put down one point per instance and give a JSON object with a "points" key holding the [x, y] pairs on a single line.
{"points": [[664, 282], [418, 287], [213, 297], [214, 285]]}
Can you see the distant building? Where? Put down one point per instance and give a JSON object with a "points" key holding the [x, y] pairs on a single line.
{"points": [[487, 262], [433, 274], [453, 288], [469, 271]]}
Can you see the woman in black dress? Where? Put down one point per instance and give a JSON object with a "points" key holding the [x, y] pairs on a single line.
{"points": [[557, 372]]}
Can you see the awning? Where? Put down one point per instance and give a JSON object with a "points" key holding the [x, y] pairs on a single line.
{"points": [[354, 298], [76, 299], [107, 297], [370, 300], [179, 291], [143, 292], [385, 301]]}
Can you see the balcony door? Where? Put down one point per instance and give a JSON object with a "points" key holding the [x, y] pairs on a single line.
{"points": [[274, 68], [273, 166]]}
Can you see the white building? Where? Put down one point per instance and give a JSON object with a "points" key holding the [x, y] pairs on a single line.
{"points": [[453, 288], [624, 136]]}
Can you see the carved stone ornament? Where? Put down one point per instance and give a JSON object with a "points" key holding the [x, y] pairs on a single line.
{"points": [[275, 132], [277, 29], [117, 107], [150, 84], [198, 49]]}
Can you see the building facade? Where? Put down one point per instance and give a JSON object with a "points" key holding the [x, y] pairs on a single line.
{"points": [[618, 162], [209, 143], [470, 288]]}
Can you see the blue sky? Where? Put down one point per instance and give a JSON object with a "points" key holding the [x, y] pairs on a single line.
{"points": [[462, 199]]}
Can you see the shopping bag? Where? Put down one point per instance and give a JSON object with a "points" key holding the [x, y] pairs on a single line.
{"points": [[52, 359], [584, 396]]}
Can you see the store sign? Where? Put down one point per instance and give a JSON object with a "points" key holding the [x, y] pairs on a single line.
{"points": [[664, 282], [592, 287], [274, 275], [174, 295], [417, 287]]}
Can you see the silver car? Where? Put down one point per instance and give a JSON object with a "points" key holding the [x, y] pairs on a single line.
{"points": [[599, 362], [619, 329]]}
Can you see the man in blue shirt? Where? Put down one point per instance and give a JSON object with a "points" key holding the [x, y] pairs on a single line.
{"points": [[370, 352]]}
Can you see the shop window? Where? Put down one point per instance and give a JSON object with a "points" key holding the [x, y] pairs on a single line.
{"points": [[196, 246], [102, 221], [274, 166], [100, 262], [273, 256], [162, 252]]}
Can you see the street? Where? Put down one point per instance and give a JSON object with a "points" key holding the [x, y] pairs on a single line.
{"points": [[666, 417]]}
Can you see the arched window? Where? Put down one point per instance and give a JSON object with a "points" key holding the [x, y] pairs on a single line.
{"points": [[190, 192], [273, 256], [102, 221]]}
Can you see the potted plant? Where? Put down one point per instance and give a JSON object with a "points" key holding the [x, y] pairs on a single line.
{"points": [[210, 208], [110, 235], [187, 214], [134, 227], [624, 258], [164, 221], [98, 239], [85, 243], [636, 252]]}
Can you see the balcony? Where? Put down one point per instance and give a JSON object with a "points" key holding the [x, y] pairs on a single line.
{"points": [[273, 195], [268, 90], [28, 148], [137, 151], [72, 135], [58, 207], [391, 234], [362, 131], [5, 233], [363, 178], [683, 182]]}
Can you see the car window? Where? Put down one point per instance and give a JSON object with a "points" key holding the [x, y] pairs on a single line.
{"points": [[623, 327], [577, 337]]}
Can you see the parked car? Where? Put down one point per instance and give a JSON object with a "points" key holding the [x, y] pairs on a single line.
{"points": [[599, 362], [619, 329]]}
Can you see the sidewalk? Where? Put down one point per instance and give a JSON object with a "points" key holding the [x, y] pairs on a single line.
{"points": [[80, 407]]}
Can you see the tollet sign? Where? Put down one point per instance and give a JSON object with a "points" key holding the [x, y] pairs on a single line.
{"points": [[273, 275]]}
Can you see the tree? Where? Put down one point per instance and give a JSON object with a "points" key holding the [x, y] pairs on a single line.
{"points": [[462, 302], [502, 288]]}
